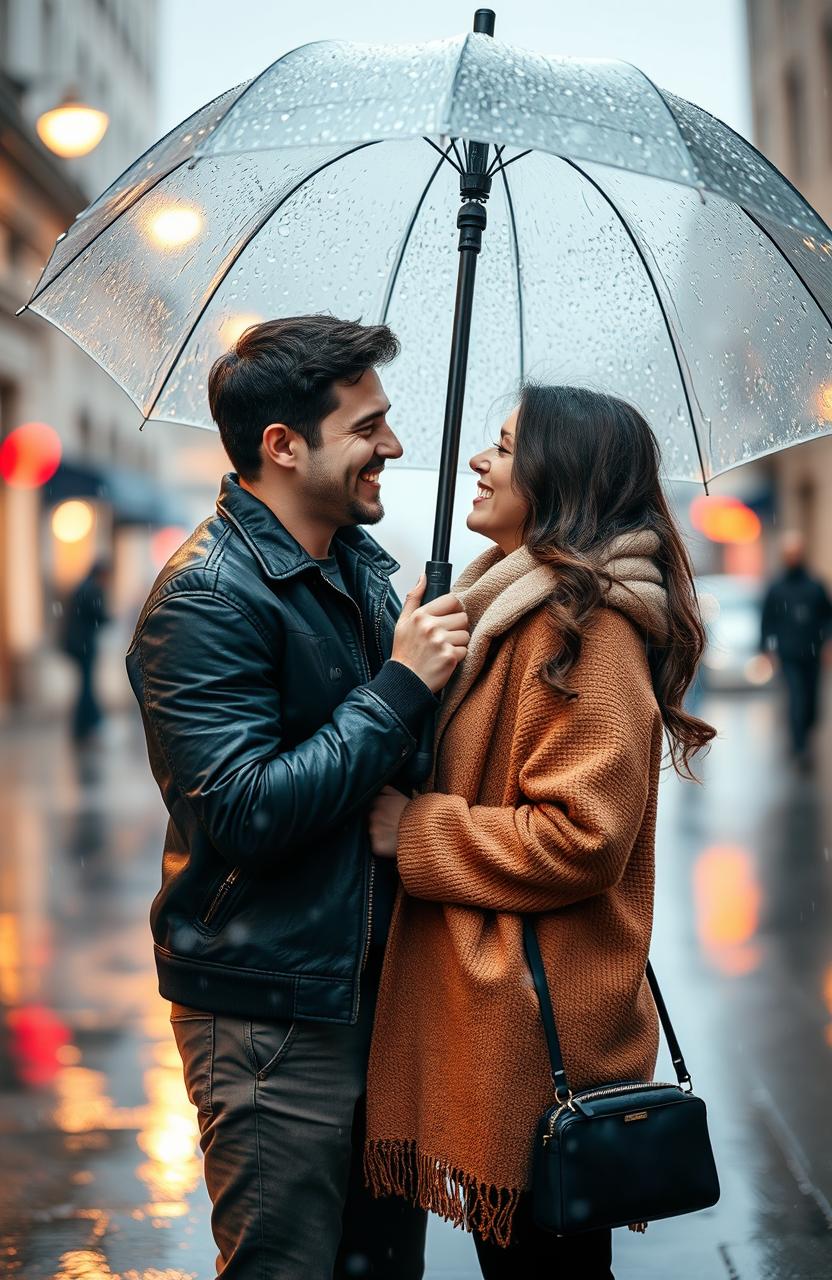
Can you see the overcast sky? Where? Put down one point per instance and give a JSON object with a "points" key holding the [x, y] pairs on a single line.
{"points": [[696, 50]]}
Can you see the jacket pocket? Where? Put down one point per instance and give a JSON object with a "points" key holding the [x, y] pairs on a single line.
{"points": [[268, 1044], [217, 906], [194, 1035]]}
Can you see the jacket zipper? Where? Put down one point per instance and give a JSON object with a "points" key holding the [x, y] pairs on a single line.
{"points": [[371, 885], [220, 896], [372, 871], [585, 1095], [379, 616]]}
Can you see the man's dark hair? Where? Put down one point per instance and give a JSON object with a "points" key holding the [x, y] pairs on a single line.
{"points": [[286, 371]]}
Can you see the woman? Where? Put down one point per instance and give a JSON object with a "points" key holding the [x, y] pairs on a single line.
{"points": [[585, 636]]}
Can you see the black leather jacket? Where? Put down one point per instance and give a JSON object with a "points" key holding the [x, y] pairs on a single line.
{"points": [[272, 718]]}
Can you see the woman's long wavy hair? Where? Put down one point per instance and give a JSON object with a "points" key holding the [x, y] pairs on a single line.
{"points": [[588, 466]]}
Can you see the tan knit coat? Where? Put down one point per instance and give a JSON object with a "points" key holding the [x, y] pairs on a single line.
{"points": [[538, 806]]}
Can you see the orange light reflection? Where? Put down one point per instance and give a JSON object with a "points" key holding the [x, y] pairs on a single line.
{"points": [[727, 902], [169, 1137], [725, 519], [827, 996]]}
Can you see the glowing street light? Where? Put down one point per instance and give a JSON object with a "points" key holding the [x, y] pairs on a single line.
{"points": [[823, 401], [175, 226], [72, 129], [72, 521], [233, 327]]}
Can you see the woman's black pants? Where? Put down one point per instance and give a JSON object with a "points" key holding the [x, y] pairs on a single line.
{"points": [[535, 1254]]}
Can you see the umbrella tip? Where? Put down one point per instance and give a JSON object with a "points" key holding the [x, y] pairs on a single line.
{"points": [[484, 20], [20, 310]]}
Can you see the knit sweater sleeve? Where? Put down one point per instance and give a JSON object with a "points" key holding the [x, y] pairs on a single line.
{"points": [[583, 782]]}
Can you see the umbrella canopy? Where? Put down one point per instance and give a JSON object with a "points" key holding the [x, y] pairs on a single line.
{"points": [[634, 244]]}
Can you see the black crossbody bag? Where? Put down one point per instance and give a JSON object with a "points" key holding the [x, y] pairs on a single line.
{"points": [[621, 1153]]}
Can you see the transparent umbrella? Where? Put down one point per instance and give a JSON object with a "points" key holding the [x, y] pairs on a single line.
{"points": [[633, 243]]}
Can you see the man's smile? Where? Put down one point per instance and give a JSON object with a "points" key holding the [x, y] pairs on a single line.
{"points": [[371, 477]]}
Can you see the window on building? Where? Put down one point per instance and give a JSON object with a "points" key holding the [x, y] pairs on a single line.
{"points": [[85, 433], [827, 83], [8, 396], [790, 14], [807, 512], [82, 67], [49, 37], [755, 17], [794, 99], [4, 32]]}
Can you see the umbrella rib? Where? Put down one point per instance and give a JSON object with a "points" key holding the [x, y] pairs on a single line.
{"points": [[670, 112], [106, 227], [394, 275], [498, 151], [505, 164], [521, 327], [187, 160], [234, 257], [444, 154], [768, 164], [255, 80], [160, 178], [662, 308], [821, 308]]}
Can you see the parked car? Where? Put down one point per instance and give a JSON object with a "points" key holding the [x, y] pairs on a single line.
{"points": [[731, 607]]}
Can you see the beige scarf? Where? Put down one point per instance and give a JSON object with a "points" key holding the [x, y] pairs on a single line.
{"points": [[497, 590]]}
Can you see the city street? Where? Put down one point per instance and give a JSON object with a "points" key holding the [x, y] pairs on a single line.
{"points": [[101, 1174]]}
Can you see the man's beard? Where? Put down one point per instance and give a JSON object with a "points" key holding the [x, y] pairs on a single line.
{"points": [[362, 513], [335, 496]]}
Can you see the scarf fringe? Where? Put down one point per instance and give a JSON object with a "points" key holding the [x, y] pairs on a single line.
{"points": [[399, 1168]]}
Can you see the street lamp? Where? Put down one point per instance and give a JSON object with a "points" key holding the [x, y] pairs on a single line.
{"points": [[72, 129]]}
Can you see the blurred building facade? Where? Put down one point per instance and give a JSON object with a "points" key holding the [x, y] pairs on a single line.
{"points": [[103, 52], [790, 56]]}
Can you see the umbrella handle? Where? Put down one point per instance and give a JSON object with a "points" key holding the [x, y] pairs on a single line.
{"points": [[438, 574], [420, 765]]}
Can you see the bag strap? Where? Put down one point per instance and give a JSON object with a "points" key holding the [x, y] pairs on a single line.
{"points": [[532, 947]]}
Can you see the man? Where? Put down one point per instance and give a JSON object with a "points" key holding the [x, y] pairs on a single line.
{"points": [[86, 613], [279, 695], [796, 620]]}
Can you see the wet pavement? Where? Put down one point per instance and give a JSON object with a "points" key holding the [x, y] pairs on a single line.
{"points": [[99, 1169]]}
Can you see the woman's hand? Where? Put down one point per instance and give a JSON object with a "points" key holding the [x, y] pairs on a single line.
{"points": [[385, 816]]}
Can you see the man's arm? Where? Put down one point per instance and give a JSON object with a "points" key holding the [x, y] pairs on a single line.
{"points": [[825, 612], [204, 673], [768, 621]]}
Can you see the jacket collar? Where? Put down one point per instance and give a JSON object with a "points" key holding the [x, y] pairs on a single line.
{"points": [[279, 554]]}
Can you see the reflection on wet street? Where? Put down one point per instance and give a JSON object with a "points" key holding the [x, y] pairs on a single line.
{"points": [[100, 1169]]}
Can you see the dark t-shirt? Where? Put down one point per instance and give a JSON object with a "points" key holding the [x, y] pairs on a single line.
{"points": [[384, 879], [332, 569]]}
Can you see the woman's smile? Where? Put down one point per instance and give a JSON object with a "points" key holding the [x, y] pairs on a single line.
{"points": [[498, 510]]}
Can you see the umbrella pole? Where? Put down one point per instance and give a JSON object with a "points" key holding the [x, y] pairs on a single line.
{"points": [[474, 188], [471, 222]]}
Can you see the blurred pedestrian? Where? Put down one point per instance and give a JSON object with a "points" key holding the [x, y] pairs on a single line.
{"points": [[796, 621], [85, 614]]}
